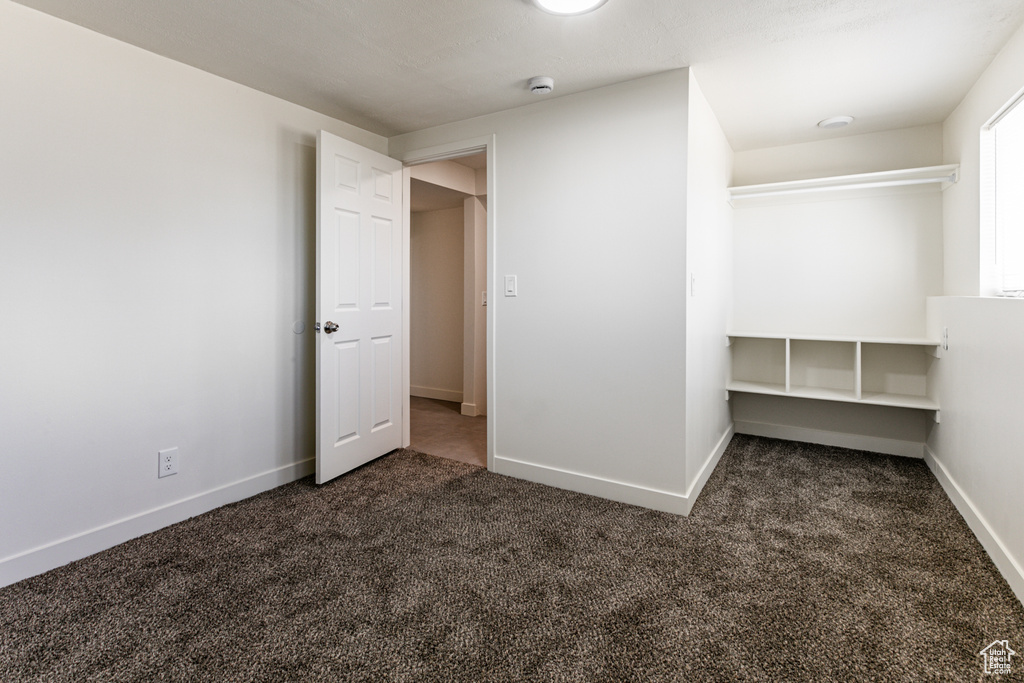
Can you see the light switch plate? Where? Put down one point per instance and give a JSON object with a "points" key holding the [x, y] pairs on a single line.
{"points": [[511, 286]]}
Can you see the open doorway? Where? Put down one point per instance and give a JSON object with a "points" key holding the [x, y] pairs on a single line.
{"points": [[447, 299]]}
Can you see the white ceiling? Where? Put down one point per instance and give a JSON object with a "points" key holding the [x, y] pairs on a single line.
{"points": [[770, 68]]}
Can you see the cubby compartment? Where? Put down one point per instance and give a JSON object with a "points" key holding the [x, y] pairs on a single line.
{"points": [[759, 362], [896, 374], [823, 369]]}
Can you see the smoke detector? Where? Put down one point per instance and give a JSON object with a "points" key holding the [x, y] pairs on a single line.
{"points": [[541, 85]]}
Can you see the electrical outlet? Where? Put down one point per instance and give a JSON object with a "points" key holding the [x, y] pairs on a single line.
{"points": [[168, 462]]}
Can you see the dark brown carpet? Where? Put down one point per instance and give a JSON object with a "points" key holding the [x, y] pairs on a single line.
{"points": [[798, 563]]}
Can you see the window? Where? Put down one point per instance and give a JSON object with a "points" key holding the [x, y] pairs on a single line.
{"points": [[1003, 197]]}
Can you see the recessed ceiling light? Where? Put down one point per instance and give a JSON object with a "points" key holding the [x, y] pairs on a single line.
{"points": [[566, 7], [835, 122]]}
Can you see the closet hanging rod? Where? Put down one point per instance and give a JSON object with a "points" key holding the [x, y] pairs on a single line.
{"points": [[946, 175]]}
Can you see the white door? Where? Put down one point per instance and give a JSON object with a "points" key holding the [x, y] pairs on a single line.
{"points": [[359, 306]]}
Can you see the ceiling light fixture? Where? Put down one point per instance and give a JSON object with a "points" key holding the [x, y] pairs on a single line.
{"points": [[835, 122], [568, 7]]}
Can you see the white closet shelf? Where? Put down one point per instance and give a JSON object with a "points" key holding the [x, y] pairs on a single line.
{"points": [[944, 176], [912, 341], [834, 368], [841, 395]]}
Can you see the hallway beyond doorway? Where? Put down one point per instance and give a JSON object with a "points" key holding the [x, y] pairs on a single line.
{"points": [[438, 428]]}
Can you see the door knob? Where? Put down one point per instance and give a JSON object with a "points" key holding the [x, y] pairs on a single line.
{"points": [[330, 327]]}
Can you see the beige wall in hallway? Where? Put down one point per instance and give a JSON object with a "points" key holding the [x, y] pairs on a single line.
{"points": [[436, 304]]}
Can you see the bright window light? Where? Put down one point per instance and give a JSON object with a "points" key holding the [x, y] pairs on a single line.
{"points": [[569, 6], [1002, 197]]}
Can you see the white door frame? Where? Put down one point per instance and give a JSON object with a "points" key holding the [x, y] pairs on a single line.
{"points": [[426, 155]]}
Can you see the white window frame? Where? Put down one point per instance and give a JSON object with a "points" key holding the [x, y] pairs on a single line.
{"points": [[997, 259]]}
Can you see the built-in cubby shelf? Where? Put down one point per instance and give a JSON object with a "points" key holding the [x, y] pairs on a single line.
{"points": [[871, 370], [942, 176]]}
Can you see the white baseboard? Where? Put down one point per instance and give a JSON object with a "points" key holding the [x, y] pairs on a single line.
{"points": [[655, 499], [1001, 557], [469, 410], [860, 442], [58, 553], [436, 394]]}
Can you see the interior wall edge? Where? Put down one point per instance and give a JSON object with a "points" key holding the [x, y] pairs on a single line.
{"points": [[710, 463]]}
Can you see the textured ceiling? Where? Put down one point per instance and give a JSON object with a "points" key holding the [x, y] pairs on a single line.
{"points": [[770, 68]]}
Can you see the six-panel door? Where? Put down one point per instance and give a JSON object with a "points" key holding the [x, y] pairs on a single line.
{"points": [[359, 289]]}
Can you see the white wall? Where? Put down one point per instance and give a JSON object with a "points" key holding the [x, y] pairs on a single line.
{"points": [[589, 212], [976, 450], [969, 254], [846, 266], [155, 252], [709, 262], [849, 265], [435, 303]]}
